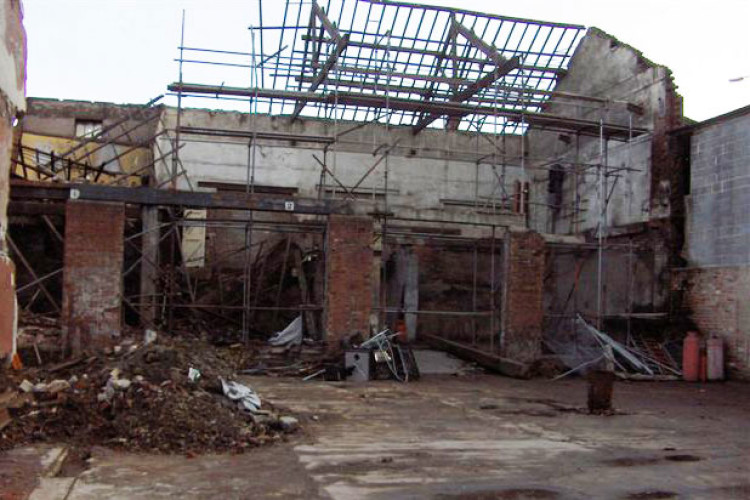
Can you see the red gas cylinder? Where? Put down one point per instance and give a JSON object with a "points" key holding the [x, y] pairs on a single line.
{"points": [[691, 357], [715, 362]]}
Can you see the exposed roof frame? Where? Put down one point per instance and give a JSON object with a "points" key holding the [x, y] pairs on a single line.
{"points": [[341, 42], [502, 65], [324, 44]]}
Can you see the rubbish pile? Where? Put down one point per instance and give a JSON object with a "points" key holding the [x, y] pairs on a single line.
{"points": [[380, 357], [167, 396], [288, 353], [586, 348]]}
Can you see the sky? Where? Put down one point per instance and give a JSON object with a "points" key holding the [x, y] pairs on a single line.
{"points": [[123, 50]]}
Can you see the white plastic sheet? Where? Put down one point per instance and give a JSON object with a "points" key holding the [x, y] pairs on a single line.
{"points": [[245, 397], [291, 335]]}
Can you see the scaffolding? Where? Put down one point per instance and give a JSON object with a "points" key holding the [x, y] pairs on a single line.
{"points": [[403, 66]]}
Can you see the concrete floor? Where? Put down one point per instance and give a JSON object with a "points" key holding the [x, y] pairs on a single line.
{"points": [[477, 437]]}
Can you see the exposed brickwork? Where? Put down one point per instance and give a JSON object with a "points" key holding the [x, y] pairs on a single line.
{"points": [[92, 283], [445, 286], [523, 306], [716, 300], [349, 277], [7, 307]]}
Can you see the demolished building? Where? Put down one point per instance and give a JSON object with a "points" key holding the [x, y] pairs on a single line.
{"points": [[483, 179]]}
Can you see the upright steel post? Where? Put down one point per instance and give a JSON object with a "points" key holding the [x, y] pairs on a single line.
{"points": [[249, 191], [492, 290], [176, 147], [601, 195], [474, 295]]}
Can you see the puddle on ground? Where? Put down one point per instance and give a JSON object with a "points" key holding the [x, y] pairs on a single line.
{"points": [[75, 462], [632, 461], [507, 494], [682, 458], [652, 495]]}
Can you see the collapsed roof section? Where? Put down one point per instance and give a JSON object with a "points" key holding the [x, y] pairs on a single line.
{"points": [[404, 64]]}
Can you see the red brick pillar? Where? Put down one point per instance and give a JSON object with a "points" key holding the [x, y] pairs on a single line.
{"points": [[348, 277], [522, 302], [92, 277], [7, 308]]}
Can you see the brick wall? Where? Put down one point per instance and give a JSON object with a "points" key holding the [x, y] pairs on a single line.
{"points": [[348, 277], [716, 285], [445, 286], [717, 301], [7, 307], [523, 298], [92, 277]]}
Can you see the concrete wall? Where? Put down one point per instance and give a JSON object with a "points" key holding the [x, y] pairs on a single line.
{"points": [[57, 118], [12, 102], [605, 68], [50, 127], [644, 201], [716, 285], [433, 175]]}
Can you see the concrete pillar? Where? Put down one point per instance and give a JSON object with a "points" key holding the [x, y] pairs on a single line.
{"points": [[523, 320], [348, 277], [411, 294], [149, 264], [92, 276]]}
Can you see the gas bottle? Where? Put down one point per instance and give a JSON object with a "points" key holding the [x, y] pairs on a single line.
{"points": [[691, 357], [715, 348]]}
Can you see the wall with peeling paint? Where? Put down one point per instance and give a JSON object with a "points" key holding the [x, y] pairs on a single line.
{"points": [[12, 102]]}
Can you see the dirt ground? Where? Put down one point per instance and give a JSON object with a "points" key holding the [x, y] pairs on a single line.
{"points": [[470, 437]]}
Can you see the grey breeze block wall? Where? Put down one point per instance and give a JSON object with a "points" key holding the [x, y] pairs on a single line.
{"points": [[718, 208]]}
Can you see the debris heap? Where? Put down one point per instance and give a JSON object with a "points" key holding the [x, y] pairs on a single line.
{"points": [[165, 397]]}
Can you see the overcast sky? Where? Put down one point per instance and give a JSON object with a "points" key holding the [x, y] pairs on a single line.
{"points": [[123, 50]]}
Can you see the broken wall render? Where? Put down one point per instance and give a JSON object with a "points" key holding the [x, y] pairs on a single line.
{"points": [[12, 102], [644, 205], [433, 175]]}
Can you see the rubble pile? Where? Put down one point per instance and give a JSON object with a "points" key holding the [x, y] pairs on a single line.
{"points": [[168, 396]]}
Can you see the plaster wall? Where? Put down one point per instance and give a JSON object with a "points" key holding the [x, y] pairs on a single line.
{"points": [[605, 68], [57, 118], [12, 103], [433, 175]]}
